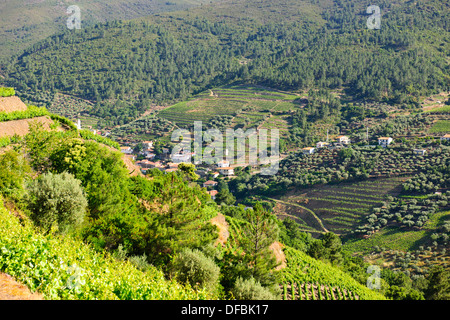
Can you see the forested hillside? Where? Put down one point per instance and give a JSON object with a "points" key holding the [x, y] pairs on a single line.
{"points": [[125, 67], [25, 22]]}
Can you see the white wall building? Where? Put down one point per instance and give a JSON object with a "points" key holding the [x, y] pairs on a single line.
{"points": [[384, 141], [343, 139], [126, 150], [308, 150]]}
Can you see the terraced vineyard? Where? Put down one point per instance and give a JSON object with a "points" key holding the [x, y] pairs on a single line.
{"points": [[305, 278], [315, 291], [340, 207], [249, 106]]}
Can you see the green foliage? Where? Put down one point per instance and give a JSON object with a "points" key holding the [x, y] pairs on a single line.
{"points": [[193, 267], [7, 92], [88, 135], [260, 231], [4, 141], [442, 126], [64, 268], [291, 236], [188, 169], [438, 284], [305, 269], [56, 201], [251, 289], [31, 112], [63, 121], [328, 248], [40, 145], [224, 196], [170, 57], [13, 172]]}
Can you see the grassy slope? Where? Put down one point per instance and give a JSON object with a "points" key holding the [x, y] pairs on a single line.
{"points": [[397, 239], [243, 102]]}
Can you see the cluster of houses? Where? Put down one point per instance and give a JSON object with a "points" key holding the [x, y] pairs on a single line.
{"points": [[147, 152], [167, 162], [343, 141]]}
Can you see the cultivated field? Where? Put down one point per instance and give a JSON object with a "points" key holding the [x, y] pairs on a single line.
{"points": [[250, 107], [339, 207]]}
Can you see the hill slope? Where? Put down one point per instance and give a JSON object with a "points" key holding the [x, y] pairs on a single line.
{"points": [[127, 67], [48, 264], [24, 22]]}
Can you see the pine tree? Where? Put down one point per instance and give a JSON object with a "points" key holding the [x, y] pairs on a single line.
{"points": [[258, 234]]}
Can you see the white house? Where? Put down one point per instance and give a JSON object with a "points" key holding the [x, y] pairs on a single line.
{"points": [[126, 150], [384, 141], [226, 171], [420, 152], [343, 139], [223, 164], [215, 174], [322, 144], [147, 144], [308, 150], [224, 168], [446, 137]]}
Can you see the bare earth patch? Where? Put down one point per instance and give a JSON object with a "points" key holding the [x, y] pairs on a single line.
{"points": [[10, 104], [21, 127], [12, 290], [277, 249], [222, 224]]}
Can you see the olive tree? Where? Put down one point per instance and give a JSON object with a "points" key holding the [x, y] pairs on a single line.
{"points": [[56, 201]]}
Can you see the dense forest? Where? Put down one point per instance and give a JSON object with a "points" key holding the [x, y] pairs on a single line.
{"points": [[125, 67]]}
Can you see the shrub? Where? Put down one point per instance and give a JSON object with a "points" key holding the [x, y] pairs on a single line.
{"points": [[7, 92], [193, 267], [140, 262], [250, 289], [56, 201], [13, 171]]}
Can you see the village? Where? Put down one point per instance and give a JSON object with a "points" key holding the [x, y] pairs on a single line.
{"points": [[144, 155]]}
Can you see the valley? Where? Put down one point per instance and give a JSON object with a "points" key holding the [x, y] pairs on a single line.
{"points": [[361, 127]]}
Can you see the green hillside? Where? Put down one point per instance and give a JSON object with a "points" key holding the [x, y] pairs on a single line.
{"points": [[302, 269], [125, 68], [25, 22], [68, 269]]}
